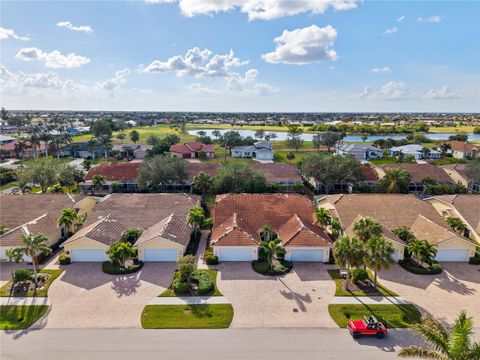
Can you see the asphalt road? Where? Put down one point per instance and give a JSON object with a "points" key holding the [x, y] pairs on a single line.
{"points": [[228, 344]]}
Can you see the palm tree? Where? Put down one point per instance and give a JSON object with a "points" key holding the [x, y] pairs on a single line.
{"points": [[131, 234], [456, 224], [266, 232], [444, 345], [196, 218], [270, 250], [336, 228], [378, 255], [422, 251], [367, 227], [67, 219], [444, 148], [34, 245], [202, 182], [348, 252], [121, 136], [98, 181], [395, 181], [324, 218], [14, 254], [119, 253]]}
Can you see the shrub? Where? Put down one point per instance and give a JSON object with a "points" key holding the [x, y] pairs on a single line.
{"points": [[204, 281], [209, 258], [113, 269], [281, 253], [359, 275], [179, 286], [22, 275], [64, 259], [475, 260], [434, 269]]}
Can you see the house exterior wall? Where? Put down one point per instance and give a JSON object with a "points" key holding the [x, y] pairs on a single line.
{"points": [[326, 251], [159, 243], [264, 155], [84, 243], [458, 243], [400, 248]]}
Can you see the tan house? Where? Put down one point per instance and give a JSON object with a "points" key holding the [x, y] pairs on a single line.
{"points": [[395, 210], [162, 217]]}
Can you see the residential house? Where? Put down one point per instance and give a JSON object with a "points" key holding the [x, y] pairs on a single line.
{"points": [[262, 150], [369, 179], [458, 172], [395, 210], [22, 149], [162, 217], [238, 219], [463, 206], [120, 177], [138, 151], [284, 176], [85, 149], [36, 213], [361, 152], [463, 150], [192, 150], [417, 151]]}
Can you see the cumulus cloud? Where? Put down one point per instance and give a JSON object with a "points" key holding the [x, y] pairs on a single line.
{"points": [[70, 26], [390, 91], [197, 88], [246, 84], [304, 46], [115, 82], [441, 94], [401, 18], [196, 62], [390, 31], [384, 69], [431, 19], [10, 34], [262, 9], [53, 59]]}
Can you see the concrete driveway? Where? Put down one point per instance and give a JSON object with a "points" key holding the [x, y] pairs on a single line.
{"points": [[298, 299], [84, 297], [457, 288]]}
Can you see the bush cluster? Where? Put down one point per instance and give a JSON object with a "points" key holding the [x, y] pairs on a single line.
{"points": [[209, 258], [109, 268], [475, 260], [359, 275], [204, 281], [434, 269], [64, 259], [22, 275]]}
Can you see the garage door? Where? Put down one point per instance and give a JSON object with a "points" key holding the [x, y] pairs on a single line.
{"points": [[88, 255], [235, 254], [452, 255], [160, 255], [307, 255]]}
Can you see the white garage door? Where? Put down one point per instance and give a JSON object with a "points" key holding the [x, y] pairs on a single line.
{"points": [[88, 255], [452, 255], [160, 255], [235, 254], [307, 255]]}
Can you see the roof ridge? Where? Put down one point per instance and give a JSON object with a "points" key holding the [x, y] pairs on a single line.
{"points": [[24, 225]]}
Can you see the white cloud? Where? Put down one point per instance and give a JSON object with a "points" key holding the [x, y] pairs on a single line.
{"points": [[384, 69], [10, 34], [390, 31], [197, 88], [246, 84], [401, 18], [70, 26], [197, 63], [441, 94], [263, 9], [262, 89], [304, 46], [54, 59], [115, 82], [390, 91], [159, 1], [431, 19]]}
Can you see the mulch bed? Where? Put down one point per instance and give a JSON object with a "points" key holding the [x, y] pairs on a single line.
{"points": [[23, 287], [366, 287]]}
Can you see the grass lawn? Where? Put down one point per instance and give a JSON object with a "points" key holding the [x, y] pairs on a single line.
{"points": [[40, 293], [385, 160], [8, 185], [394, 316], [447, 129], [14, 317], [339, 291], [211, 316], [215, 292]]}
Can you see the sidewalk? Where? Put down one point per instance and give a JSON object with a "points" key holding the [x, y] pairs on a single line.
{"points": [[189, 300], [24, 301], [202, 245], [369, 300]]}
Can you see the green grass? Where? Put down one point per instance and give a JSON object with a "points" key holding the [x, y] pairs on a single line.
{"points": [[447, 129], [215, 292], [208, 316], [15, 317], [8, 185], [393, 316], [340, 291], [384, 160], [40, 293]]}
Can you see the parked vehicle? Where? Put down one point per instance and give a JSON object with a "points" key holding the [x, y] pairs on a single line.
{"points": [[370, 326]]}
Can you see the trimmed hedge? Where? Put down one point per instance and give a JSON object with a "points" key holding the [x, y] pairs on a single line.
{"points": [[436, 268], [209, 258], [474, 260], [64, 259], [262, 267], [204, 281], [359, 275], [109, 268]]}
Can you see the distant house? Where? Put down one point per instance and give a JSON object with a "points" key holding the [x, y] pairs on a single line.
{"points": [[463, 150], [458, 172], [4, 139], [192, 150], [415, 150], [262, 150], [83, 149], [360, 151], [139, 151], [22, 150], [369, 179], [284, 176], [120, 177]]}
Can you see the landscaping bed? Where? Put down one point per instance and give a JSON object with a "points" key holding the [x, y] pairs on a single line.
{"points": [[15, 317], [262, 267], [208, 316], [109, 268], [358, 289], [27, 288], [432, 270], [196, 275], [393, 316]]}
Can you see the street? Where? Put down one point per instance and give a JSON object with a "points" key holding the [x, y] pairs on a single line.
{"points": [[275, 344]]}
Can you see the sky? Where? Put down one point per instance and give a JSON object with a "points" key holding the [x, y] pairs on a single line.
{"points": [[241, 55]]}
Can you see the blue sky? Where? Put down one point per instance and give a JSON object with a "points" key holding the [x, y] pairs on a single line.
{"points": [[230, 55]]}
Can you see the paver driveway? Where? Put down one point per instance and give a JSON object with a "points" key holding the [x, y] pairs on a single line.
{"points": [[444, 295], [298, 299], [84, 297]]}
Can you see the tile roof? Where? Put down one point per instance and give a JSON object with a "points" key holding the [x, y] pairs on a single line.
{"points": [[187, 148], [194, 168], [462, 146], [468, 205], [239, 217], [420, 171], [369, 173], [278, 172], [121, 171], [46, 225]]}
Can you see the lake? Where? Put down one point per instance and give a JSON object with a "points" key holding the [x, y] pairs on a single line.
{"points": [[281, 135]]}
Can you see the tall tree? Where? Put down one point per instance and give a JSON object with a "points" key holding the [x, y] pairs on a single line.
{"points": [[202, 182], [378, 255], [348, 252], [33, 246], [260, 134], [102, 131], [266, 232], [270, 249], [98, 181], [131, 234], [422, 251], [294, 137], [67, 219], [238, 177], [366, 228], [121, 252], [329, 139], [395, 181], [196, 218], [121, 136], [134, 136], [323, 216], [161, 171]]}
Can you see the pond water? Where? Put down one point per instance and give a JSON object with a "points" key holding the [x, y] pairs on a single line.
{"points": [[349, 138]]}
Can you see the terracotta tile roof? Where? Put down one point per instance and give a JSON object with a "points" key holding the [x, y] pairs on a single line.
{"points": [[468, 205], [420, 171], [187, 148], [11, 145], [278, 172], [194, 168], [369, 173], [462, 146], [239, 217], [121, 171]]}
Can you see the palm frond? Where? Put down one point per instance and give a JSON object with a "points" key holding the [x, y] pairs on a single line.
{"points": [[433, 336], [419, 352], [460, 336], [474, 352]]}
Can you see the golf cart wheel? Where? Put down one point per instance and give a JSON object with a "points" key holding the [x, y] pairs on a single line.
{"points": [[380, 335], [355, 335]]}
